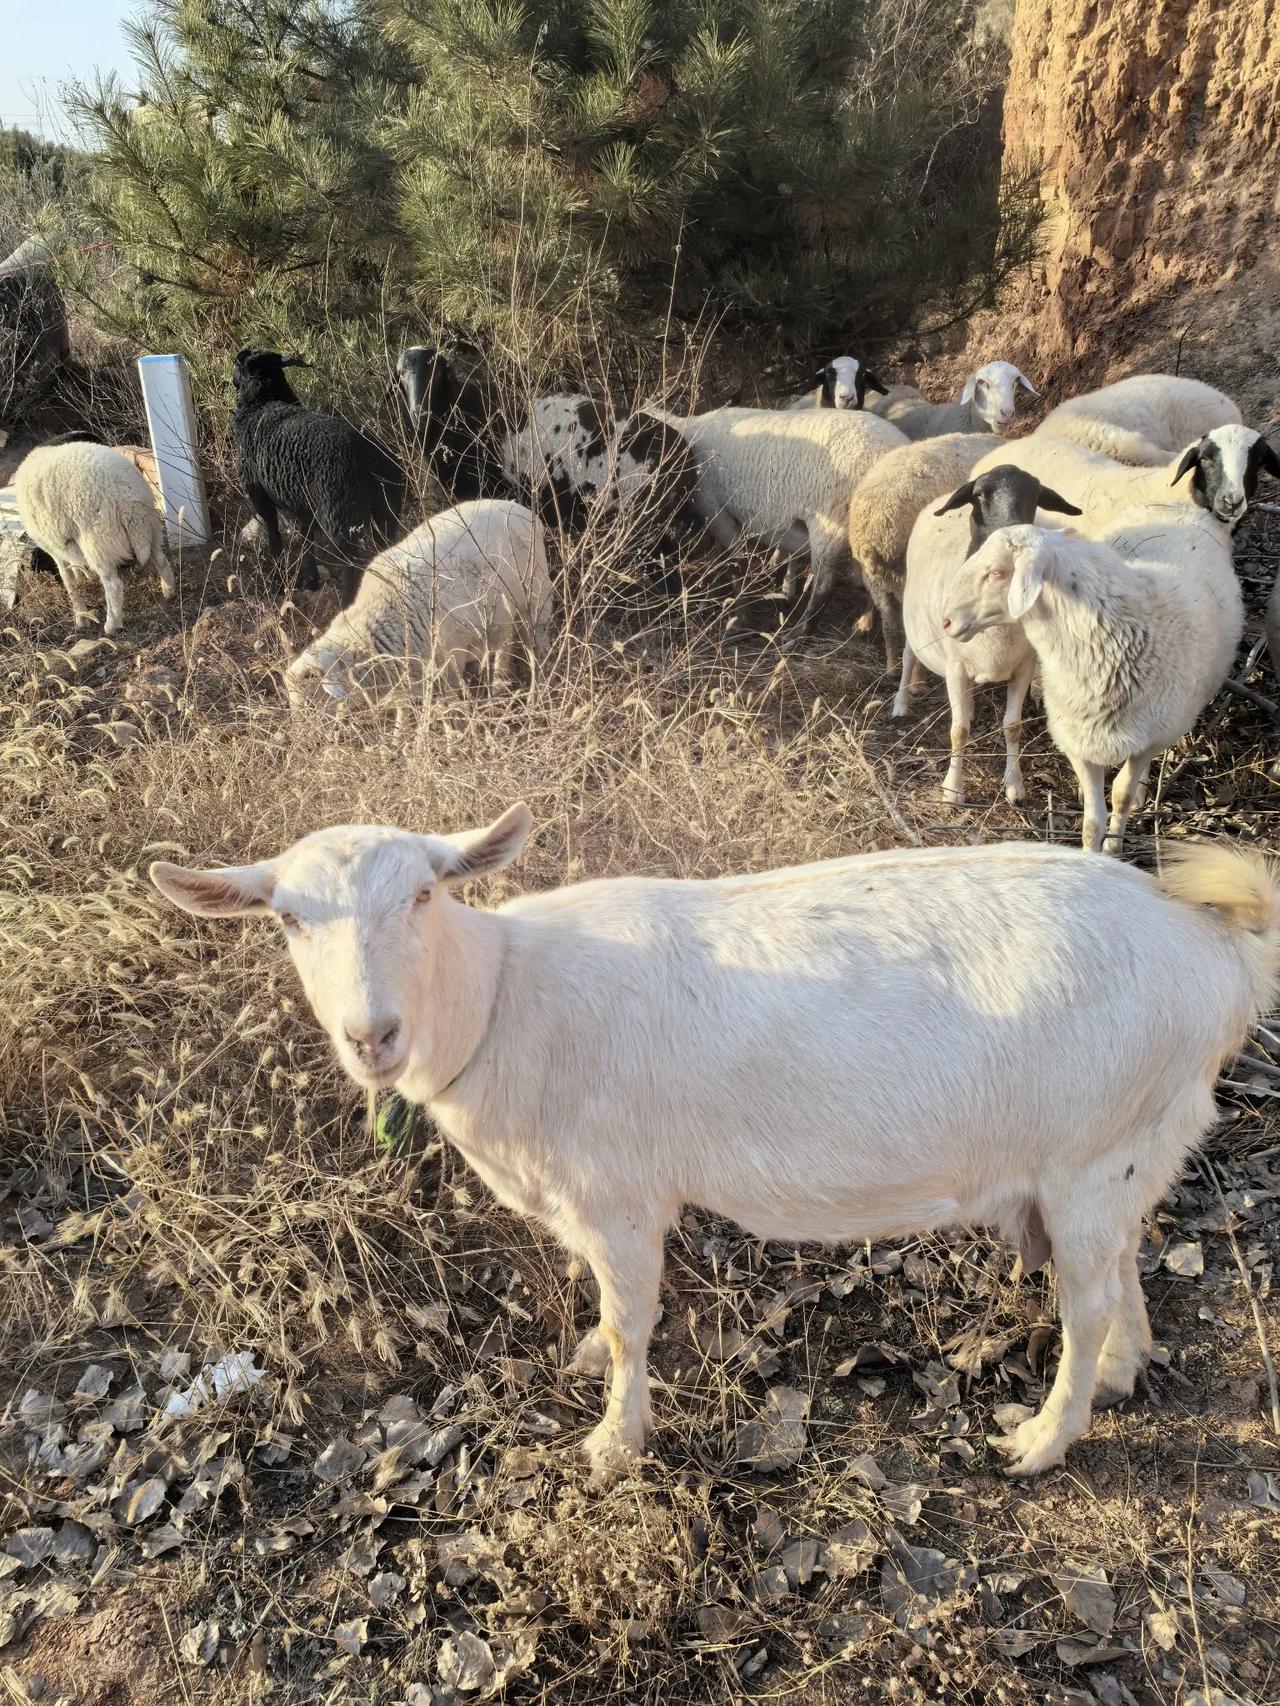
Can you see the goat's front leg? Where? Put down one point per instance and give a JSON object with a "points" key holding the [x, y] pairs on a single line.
{"points": [[626, 1259], [960, 695]]}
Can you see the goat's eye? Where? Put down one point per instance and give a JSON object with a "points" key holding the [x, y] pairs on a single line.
{"points": [[290, 921], [423, 895]]}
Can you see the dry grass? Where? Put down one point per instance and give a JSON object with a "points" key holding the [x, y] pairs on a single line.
{"points": [[187, 1169]]}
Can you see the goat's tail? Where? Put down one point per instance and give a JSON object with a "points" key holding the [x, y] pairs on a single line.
{"points": [[1239, 882]]}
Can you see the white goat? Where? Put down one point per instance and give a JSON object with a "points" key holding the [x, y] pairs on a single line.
{"points": [[93, 512], [1131, 647], [939, 542], [1017, 1035], [785, 480], [464, 587], [987, 403], [1142, 419]]}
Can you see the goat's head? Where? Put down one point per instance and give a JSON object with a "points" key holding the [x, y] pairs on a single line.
{"points": [[993, 390], [1226, 464], [999, 583], [360, 907]]}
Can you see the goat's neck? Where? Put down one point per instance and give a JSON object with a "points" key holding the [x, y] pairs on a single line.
{"points": [[463, 962]]}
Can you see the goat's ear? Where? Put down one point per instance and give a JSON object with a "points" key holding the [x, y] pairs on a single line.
{"points": [[1190, 459], [873, 384], [1027, 583], [961, 496], [1026, 383], [1049, 499], [478, 851], [235, 891]]}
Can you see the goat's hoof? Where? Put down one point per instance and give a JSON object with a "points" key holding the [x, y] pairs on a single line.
{"points": [[1015, 793], [1035, 1445], [865, 623], [610, 1456], [952, 796], [1117, 1377], [591, 1357], [898, 710]]}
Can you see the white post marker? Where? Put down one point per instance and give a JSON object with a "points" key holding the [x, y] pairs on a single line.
{"points": [[171, 421]]}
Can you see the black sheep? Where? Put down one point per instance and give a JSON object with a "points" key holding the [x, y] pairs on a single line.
{"points": [[340, 489], [454, 423]]}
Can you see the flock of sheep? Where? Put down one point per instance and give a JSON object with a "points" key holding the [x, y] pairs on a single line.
{"points": [[1015, 1035], [1131, 615]]}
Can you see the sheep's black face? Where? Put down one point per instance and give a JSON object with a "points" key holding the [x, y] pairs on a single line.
{"points": [[1003, 497], [258, 375], [425, 379]]}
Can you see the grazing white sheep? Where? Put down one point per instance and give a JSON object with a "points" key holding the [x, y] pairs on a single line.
{"points": [[785, 480], [884, 511], [1017, 1036], [464, 587], [987, 403], [1131, 647], [91, 510], [842, 384], [939, 542], [1142, 419]]}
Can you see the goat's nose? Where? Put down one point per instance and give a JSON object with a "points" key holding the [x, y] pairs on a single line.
{"points": [[371, 1038]]}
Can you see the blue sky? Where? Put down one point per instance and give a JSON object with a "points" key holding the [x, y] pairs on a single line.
{"points": [[47, 41]]}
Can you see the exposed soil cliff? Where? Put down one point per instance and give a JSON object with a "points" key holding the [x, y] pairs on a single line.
{"points": [[1157, 125]]}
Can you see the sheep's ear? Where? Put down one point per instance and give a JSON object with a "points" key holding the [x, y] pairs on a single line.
{"points": [[235, 891], [1049, 499], [294, 361], [961, 496], [1190, 459], [1027, 583], [966, 396], [871, 383], [1026, 383], [1268, 461], [479, 851]]}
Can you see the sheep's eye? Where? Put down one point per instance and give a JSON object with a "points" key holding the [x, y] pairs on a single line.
{"points": [[290, 920], [423, 895]]}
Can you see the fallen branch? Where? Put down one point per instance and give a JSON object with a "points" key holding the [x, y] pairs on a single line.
{"points": [[1252, 694]]}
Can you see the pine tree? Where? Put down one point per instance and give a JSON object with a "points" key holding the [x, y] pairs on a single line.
{"points": [[543, 174]]}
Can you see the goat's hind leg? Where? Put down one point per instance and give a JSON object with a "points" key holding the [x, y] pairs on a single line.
{"points": [[1127, 1347], [1088, 1241]]}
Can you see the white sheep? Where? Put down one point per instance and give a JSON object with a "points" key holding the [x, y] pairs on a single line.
{"points": [[1142, 419], [785, 480], [91, 510], [987, 403], [884, 511], [940, 541], [1017, 1036], [1224, 465], [842, 384], [1133, 640], [464, 587]]}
